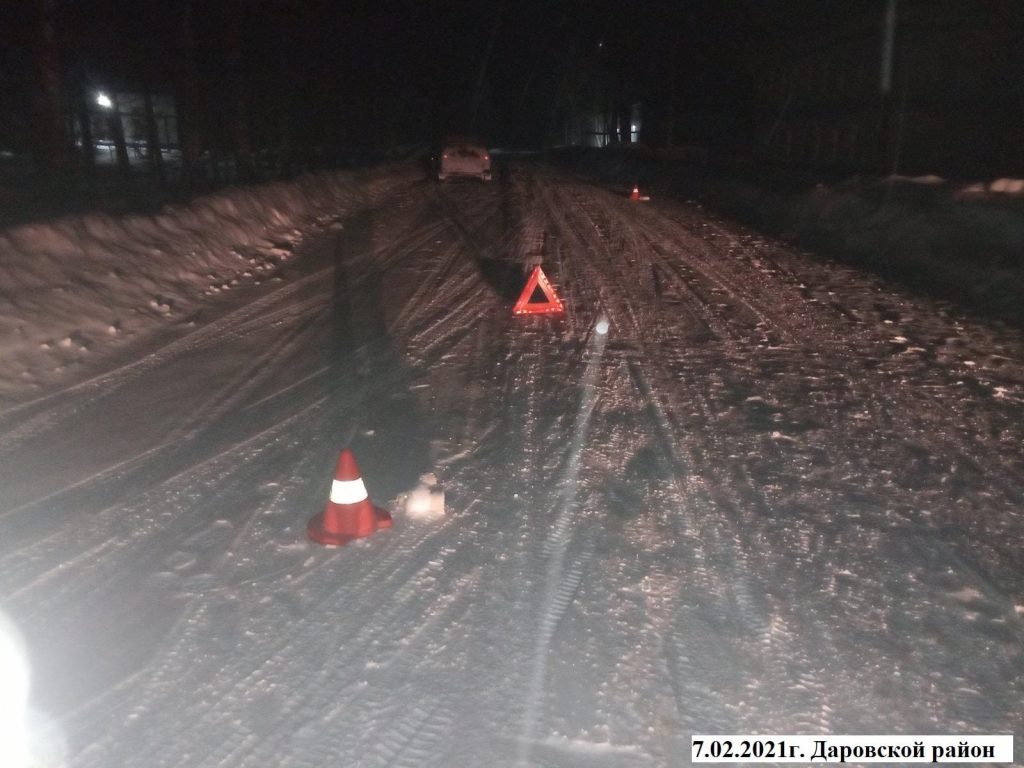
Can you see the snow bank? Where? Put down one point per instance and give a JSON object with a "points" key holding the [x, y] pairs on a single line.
{"points": [[926, 234], [75, 290]]}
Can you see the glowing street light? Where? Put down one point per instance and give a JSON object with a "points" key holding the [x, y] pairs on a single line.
{"points": [[104, 101]]}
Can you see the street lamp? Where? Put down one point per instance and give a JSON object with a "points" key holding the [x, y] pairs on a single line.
{"points": [[104, 101]]}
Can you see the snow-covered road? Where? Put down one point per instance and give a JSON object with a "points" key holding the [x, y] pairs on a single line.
{"points": [[780, 497]]}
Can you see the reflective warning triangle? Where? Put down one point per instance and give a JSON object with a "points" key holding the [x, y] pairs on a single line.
{"points": [[553, 303]]}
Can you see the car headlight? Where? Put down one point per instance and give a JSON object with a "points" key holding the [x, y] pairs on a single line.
{"points": [[14, 682], [28, 739]]}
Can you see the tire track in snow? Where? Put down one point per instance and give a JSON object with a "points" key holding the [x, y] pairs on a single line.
{"points": [[563, 572], [175, 449], [562, 582], [339, 613], [885, 398], [312, 690], [432, 289], [876, 391], [525, 357], [749, 287], [689, 459], [412, 743], [42, 414], [117, 537], [143, 560], [815, 328], [822, 327], [426, 296], [744, 602], [448, 296], [748, 499]]}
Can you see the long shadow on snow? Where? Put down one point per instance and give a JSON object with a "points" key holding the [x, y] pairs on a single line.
{"points": [[507, 278], [383, 425]]}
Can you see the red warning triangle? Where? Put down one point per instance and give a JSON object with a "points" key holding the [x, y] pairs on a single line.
{"points": [[553, 303]]}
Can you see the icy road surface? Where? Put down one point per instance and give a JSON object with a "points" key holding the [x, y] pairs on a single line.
{"points": [[777, 497]]}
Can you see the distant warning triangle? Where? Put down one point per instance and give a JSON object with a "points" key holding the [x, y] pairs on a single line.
{"points": [[527, 307]]}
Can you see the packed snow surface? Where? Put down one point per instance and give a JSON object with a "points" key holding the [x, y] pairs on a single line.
{"points": [[734, 489]]}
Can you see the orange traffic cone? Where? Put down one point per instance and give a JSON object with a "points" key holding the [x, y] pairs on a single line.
{"points": [[635, 194], [349, 513]]}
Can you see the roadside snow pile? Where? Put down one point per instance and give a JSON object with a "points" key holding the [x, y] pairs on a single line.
{"points": [[925, 231], [73, 291], [1007, 186]]}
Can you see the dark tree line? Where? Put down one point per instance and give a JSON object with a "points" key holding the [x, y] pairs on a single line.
{"points": [[263, 88], [247, 104]]}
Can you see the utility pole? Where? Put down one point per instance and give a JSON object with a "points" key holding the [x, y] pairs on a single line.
{"points": [[188, 98], [51, 143], [886, 143]]}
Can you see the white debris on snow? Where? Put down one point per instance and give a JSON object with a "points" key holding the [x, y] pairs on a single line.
{"points": [[426, 500]]}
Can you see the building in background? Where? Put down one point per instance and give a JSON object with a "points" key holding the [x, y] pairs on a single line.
{"points": [[602, 128]]}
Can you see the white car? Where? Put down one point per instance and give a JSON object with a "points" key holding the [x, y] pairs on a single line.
{"points": [[464, 157]]}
